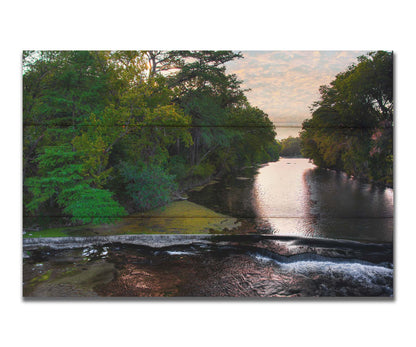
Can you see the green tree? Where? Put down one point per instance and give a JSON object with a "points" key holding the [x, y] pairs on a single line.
{"points": [[61, 181], [221, 117], [352, 124], [291, 147], [148, 186], [98, 109], [111, 131]]}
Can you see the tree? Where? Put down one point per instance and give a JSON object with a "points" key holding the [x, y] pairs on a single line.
{"points": [[222, 119], [291, 147], [115, 131], [61, 180], [352, 124], [95, 111]]}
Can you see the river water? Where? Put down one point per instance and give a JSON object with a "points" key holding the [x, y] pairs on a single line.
{"points": [[303, 232], [293, 197]]}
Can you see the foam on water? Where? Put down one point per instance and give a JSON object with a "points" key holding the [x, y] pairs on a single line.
{"points": [[179, 253], [358, 272]]}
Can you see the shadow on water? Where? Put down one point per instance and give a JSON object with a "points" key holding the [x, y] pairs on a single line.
{"points": [[348, 208], [232, 195]]}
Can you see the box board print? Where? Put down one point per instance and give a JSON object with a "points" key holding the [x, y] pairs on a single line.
{"points": [[207, 174]]}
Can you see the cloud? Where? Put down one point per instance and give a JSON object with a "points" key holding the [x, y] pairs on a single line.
{"points": [[285, 83]]}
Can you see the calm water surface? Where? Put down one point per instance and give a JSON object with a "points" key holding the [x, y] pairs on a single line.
{"points": [[293, 197]]}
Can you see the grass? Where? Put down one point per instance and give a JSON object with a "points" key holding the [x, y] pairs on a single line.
{"points": [[56, 232], [178, 217]]}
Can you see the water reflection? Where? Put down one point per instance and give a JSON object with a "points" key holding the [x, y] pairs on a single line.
{"points": [[232, 195], [282, 197], [349, 208], [297, 198], [294, 197]]}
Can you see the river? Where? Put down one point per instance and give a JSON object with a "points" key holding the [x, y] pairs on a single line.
{"points": [[293, 197], [304, 232]]}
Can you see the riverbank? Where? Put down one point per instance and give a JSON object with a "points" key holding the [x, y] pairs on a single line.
{"points": [[177, 217]]}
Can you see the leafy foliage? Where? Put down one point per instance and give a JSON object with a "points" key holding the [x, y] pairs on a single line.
{"points": [[62, 180], [351, 128], [107, 131], [291, 147], [91, 205], [149, 186]]}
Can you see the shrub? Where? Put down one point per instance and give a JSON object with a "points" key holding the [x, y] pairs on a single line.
{"points": [[148, 186]]}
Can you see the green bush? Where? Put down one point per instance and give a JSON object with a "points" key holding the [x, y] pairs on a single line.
{"points": [[149, 186], [92, 205], [62, 181]]}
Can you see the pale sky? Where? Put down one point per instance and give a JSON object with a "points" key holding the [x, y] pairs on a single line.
{"points": [[285, 83]]}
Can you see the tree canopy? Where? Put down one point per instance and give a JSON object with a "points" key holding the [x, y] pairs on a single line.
{"points": [[111, 132], [351, 128], [291, 147]]}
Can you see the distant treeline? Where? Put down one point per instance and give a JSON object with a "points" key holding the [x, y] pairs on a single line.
{"points": [[352, 124], [291, 147], [107, 133]]}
